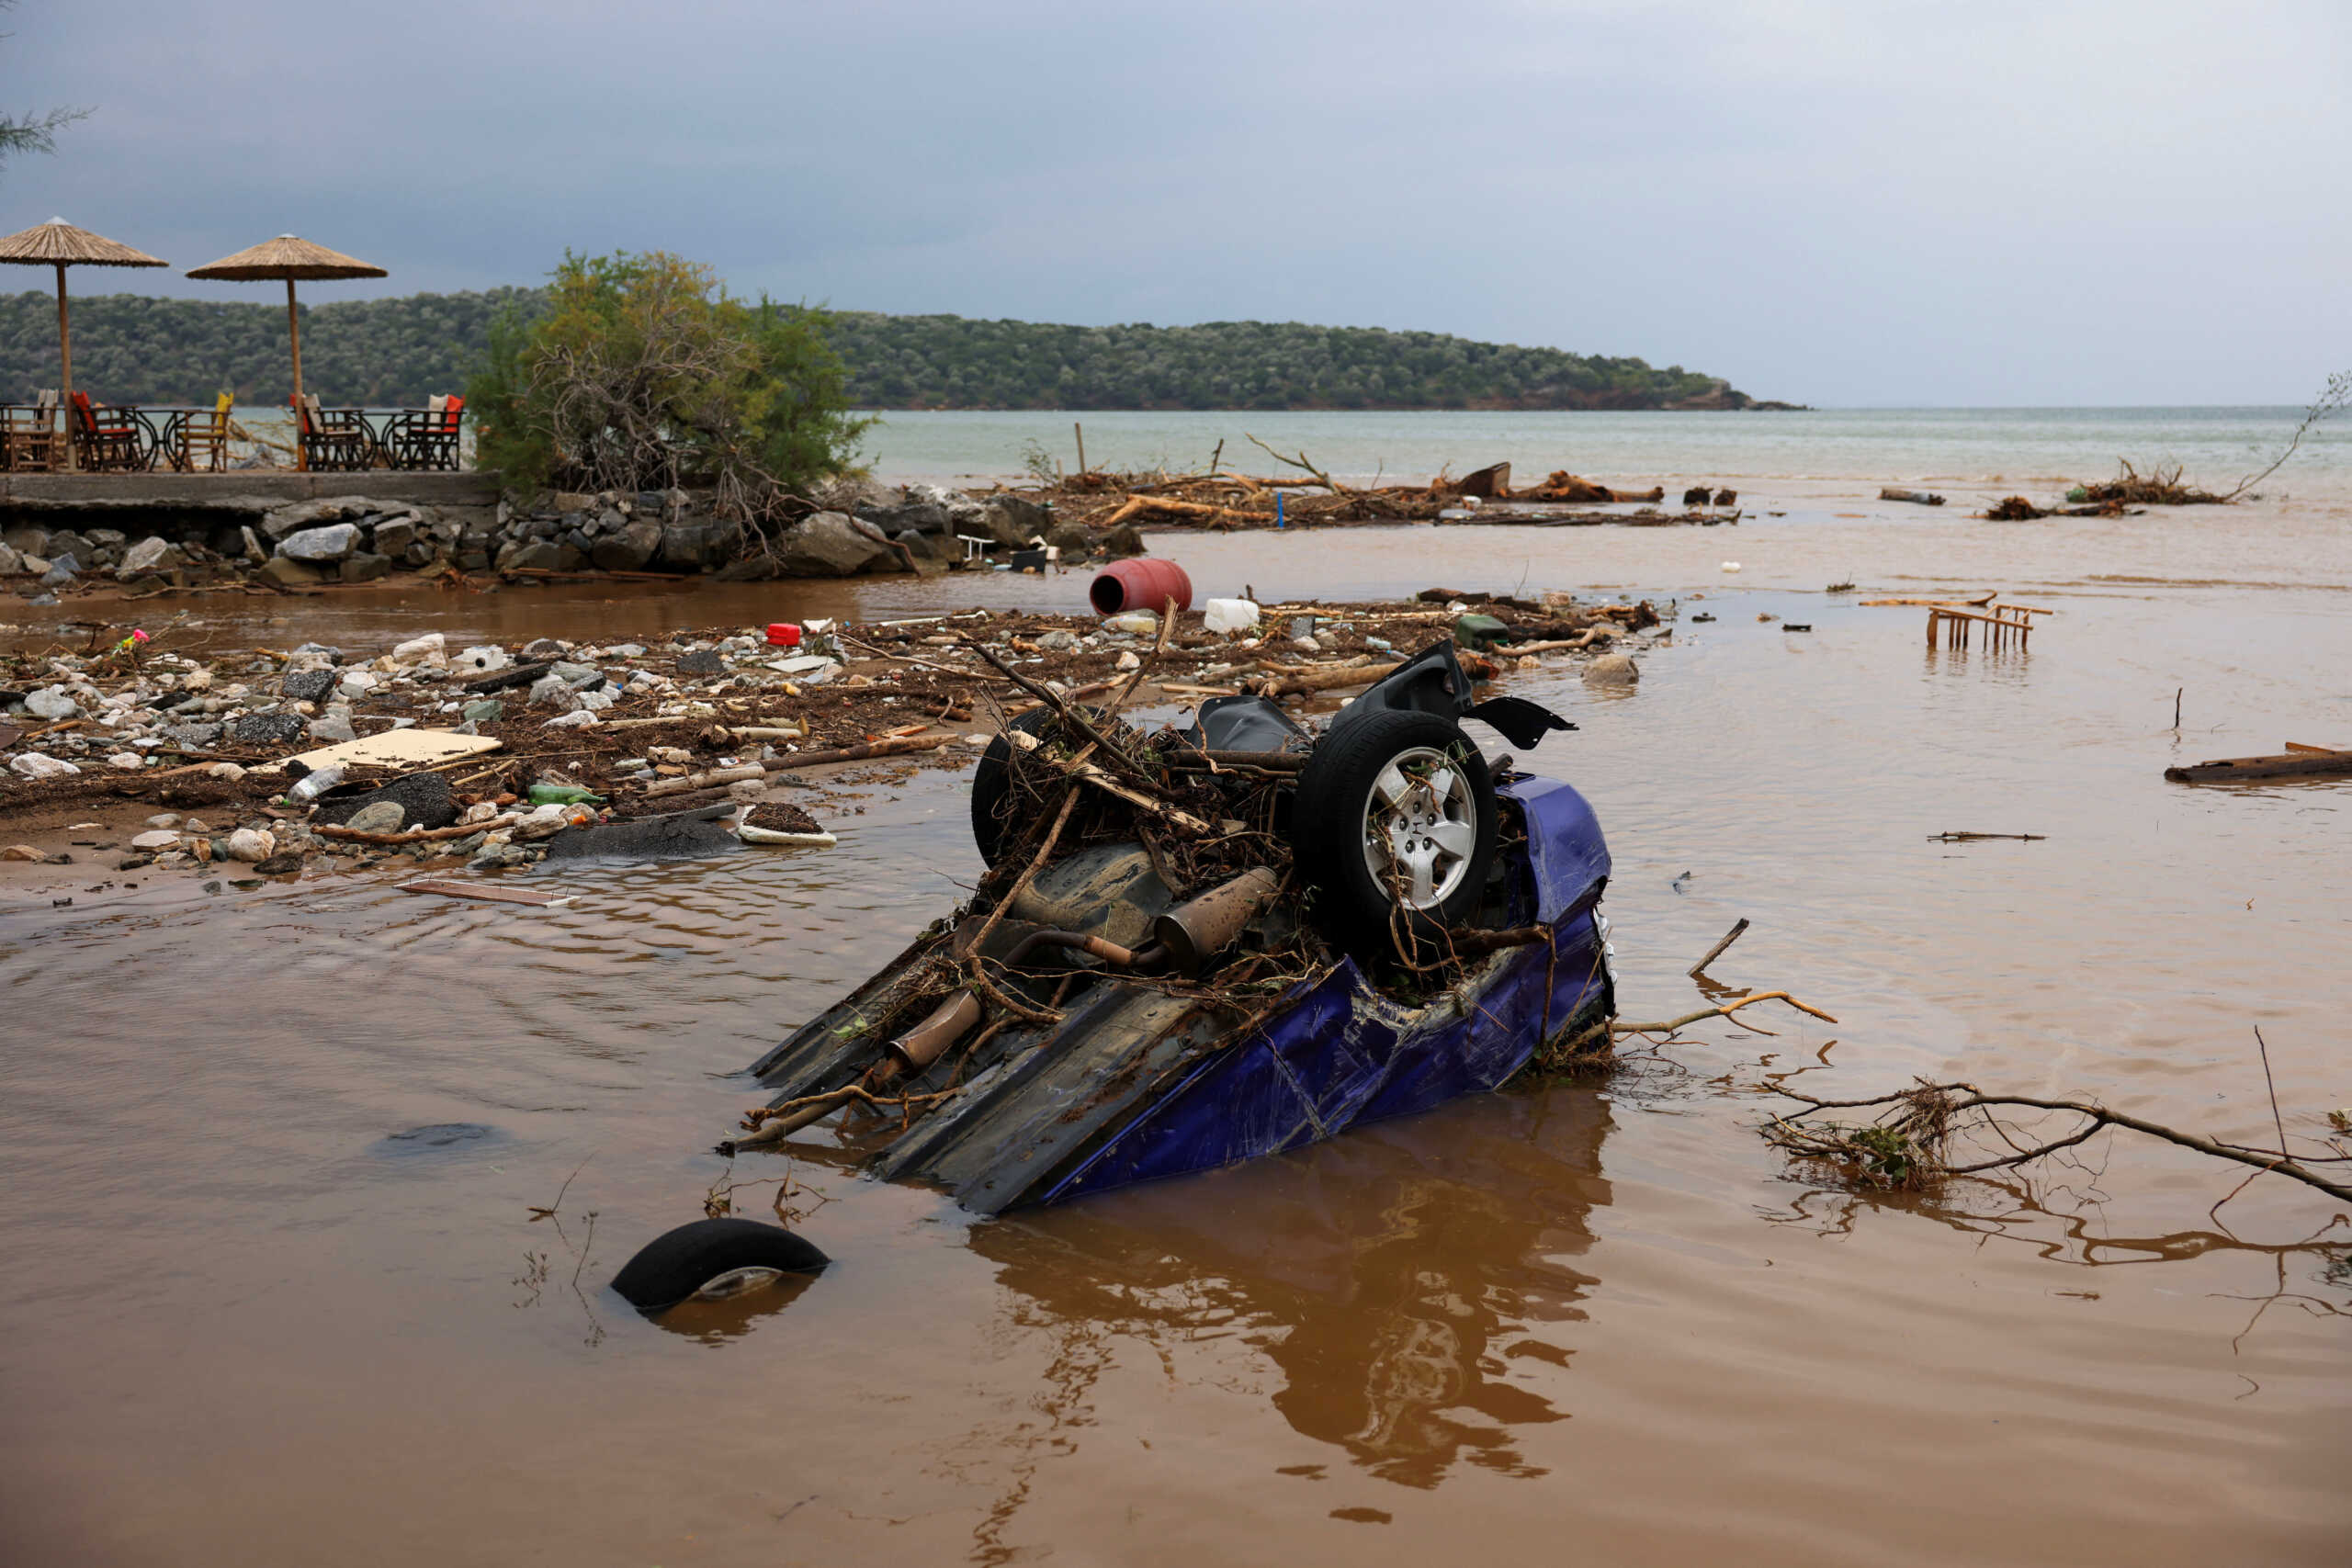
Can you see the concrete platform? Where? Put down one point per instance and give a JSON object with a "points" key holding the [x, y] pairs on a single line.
{"points": [[250, 491]]}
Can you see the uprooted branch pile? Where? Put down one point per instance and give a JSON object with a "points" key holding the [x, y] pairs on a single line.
{"points": [[1224, 498]]}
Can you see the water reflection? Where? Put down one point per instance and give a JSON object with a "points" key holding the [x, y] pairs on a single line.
{"points": [[714, 1323], [1402, 1279]]}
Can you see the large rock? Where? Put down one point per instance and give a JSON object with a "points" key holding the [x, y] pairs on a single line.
{"points": [[280, 521], [1072, 539], [629, 549], [394, 535], [26, 539], [1122, 541], [12, 561], [830, 543], [268, 729], [308, 685], [365, 567], [1007, 522], [863, 497], [149, 557], [927, 516], [538, 555], [289, 574], [692, 544], [316, 546], [377, 817], [1613, 670]]}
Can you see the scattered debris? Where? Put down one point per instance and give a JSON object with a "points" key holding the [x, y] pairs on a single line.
{"points": [[2014, 509], [1916, 497], [1960, 837], [781, 822], [679, 723]]}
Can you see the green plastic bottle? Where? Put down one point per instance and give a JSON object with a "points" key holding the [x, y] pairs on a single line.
{"points": [[562, 795]]}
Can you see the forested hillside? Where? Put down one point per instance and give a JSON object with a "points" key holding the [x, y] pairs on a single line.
{"points": [[128, 348], [131, 348]]}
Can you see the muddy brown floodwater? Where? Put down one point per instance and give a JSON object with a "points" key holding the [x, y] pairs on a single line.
{"points": [[242, 1322]]}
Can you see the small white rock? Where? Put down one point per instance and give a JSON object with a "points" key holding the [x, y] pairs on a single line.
{"points": [[159, 839], [252, 845], [41, 765], [545, 822]]}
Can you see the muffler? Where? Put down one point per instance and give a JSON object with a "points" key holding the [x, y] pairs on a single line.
{"points": [[925, 1044], [1196, 932]]}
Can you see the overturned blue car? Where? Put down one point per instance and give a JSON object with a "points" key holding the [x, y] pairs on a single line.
{"points": [[1194, 948]]}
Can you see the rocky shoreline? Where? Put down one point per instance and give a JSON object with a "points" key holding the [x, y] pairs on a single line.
{"points": [[308, 545]]}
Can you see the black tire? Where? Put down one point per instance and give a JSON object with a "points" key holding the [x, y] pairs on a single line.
{"points": [[1362, 909], [995, 819], [674, 1266]]}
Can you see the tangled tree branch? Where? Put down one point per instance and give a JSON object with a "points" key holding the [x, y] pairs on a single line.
{"points": [[1908, 1146]]}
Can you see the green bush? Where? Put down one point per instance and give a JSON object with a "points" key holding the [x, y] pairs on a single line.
{"points": [[643, 372]]}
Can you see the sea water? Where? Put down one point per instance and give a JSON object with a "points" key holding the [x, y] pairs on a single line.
{"points": [[2032, 449]]}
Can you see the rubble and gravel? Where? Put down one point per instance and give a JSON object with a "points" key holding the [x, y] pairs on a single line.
{"points": [[180, 757]]}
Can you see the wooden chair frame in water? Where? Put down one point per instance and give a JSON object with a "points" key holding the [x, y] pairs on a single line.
{"points": [[2007, 621]]}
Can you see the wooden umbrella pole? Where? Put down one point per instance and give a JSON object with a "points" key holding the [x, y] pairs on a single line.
{"points": [[65, 364], [294, 331]]}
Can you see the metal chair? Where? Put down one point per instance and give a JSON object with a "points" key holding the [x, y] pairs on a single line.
{"points": [[107, 436], [426, 437], [333, 440]]}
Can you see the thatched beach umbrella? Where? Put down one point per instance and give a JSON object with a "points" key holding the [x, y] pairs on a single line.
{"points": [[60, 244], [289, 259]]}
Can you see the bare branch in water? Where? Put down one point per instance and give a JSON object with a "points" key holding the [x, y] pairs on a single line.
{"points": [[2332, 399], [1908, 1146]]}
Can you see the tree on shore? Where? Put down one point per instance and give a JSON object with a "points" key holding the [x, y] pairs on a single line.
{"points": [[643, 373]]}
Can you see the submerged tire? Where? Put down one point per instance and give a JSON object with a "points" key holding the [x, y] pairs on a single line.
{"points": [[676, 1265], [1395, 830]]}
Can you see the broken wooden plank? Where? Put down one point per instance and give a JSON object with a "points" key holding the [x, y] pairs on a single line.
{"points": [[2295, 764], [394, 749], [491, 892]]}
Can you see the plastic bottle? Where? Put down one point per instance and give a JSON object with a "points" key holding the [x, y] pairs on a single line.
{"points": [[560, 794], [317, 781]]}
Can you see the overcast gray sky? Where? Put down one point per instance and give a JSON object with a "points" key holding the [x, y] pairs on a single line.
{"points": [[2116, 201]]}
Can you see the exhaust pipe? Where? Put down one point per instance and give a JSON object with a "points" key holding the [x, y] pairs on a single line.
{"points": [[910, 1053], [1198, 930], [925, 1044]]}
